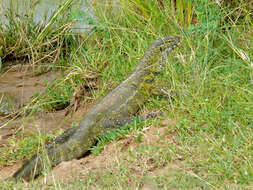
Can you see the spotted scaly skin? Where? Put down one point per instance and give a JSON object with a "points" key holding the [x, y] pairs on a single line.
{"points": [[114, 110]]}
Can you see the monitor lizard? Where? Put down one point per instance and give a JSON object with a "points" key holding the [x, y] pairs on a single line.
{"points": [[114, 110]]}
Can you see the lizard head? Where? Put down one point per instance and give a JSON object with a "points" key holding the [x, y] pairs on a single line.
{"points": [[157, 53], [164, 44]]}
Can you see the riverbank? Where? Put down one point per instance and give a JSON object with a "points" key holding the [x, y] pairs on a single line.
{"points": [[204, 141]]}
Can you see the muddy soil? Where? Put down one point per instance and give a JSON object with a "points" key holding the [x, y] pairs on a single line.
{"points": [[17, 87], [18, 84]]}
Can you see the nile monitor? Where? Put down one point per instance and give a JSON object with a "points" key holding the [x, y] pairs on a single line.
{"points": [[114, 110]]}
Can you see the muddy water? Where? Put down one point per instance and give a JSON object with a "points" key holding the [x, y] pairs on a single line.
{"points": [[44, 10], [17, 87]]}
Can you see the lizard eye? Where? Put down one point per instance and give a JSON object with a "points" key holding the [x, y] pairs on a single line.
{"points": [[149, 81]]}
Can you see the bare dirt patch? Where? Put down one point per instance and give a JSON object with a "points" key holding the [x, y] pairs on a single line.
{"points": [[111, 155]]}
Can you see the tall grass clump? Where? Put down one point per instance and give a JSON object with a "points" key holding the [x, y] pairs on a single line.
{"points": [[22, 38]]}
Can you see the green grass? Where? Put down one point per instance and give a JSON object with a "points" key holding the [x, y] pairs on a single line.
{"points": [[211, 76]]}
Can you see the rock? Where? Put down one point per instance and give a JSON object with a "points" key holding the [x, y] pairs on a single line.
{"points": [[8, 103]]}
